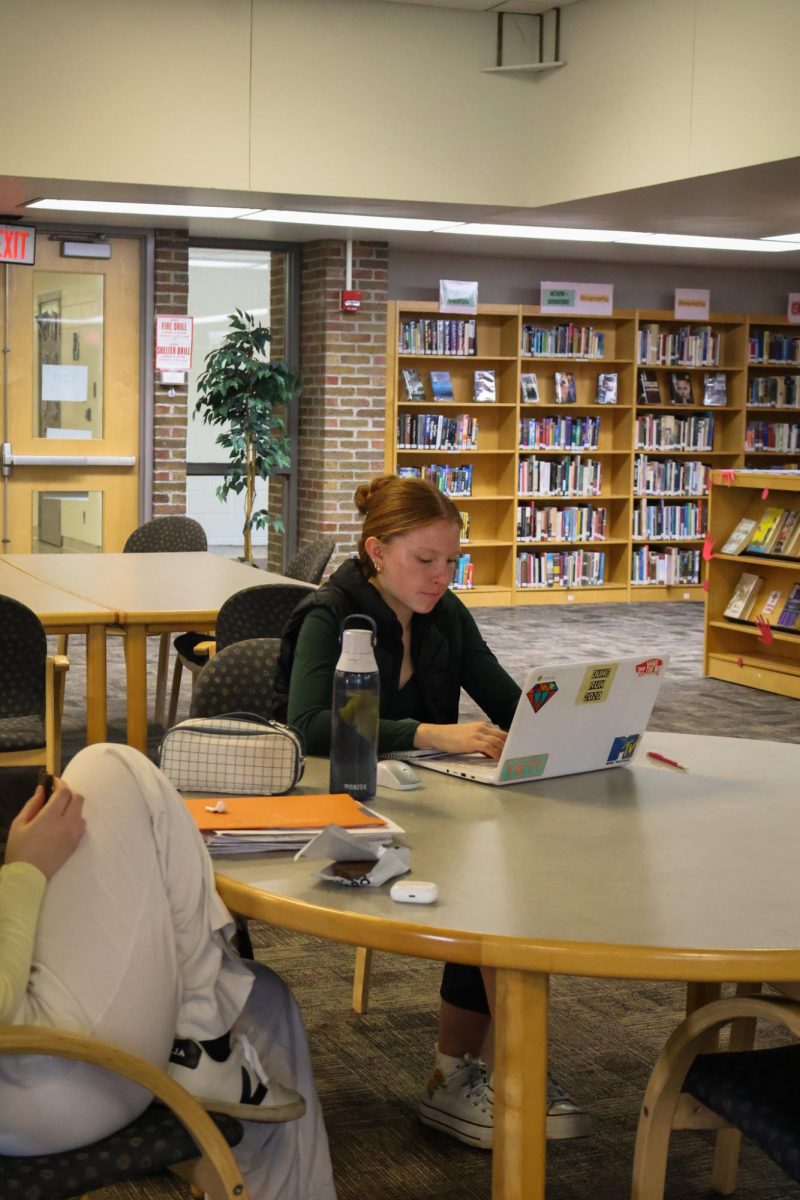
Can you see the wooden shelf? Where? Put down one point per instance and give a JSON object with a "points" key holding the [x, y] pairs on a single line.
{"points": [[735, 650]]}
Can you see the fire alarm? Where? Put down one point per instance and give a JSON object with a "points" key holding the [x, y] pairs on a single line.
{"points": [[351, 301]]}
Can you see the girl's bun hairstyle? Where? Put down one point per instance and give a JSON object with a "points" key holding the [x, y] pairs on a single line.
{"points": [[392, 505]]}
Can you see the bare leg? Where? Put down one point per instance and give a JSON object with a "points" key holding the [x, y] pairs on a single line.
{"points": [[461, 1031]]}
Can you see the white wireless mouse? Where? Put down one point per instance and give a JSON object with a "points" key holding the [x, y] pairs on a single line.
{"points": [[394, 773]]}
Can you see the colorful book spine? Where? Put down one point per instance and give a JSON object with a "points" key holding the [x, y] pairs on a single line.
{"points": [[563, 341], [566, 568], [551, 523], [662, 566]]}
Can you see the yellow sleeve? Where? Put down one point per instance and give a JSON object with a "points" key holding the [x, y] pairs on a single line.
{"points": [[21, 894]]}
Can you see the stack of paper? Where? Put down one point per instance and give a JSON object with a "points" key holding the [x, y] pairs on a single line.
{"points": [[261, 824]]}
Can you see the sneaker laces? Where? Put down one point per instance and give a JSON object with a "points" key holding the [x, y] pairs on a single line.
{"points": [[250, 1056], [476, 1085]]}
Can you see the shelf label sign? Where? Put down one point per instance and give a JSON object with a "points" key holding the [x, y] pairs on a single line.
{"points": [[174, 337], [692, 304], [18, 244], [458, 296], [582, 299], [793, 308]]}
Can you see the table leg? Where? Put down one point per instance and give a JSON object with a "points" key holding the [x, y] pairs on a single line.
{"points": [[96, 685], [136, 688], [520, 1083]]}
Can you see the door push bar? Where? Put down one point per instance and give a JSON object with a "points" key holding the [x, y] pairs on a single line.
{"points": [[9, 459]]}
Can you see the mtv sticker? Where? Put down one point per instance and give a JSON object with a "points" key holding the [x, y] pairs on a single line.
{"points": [[596, 683], [622, 748], [541, 692], [523, 768]]}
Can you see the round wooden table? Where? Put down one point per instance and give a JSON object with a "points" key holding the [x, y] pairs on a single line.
{"points": [[639, 872]]}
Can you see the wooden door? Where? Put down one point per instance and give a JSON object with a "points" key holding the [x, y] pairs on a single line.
{"points": [[71, 451]]}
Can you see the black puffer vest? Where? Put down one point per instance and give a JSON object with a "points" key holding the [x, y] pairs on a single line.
{"points": [[437, 640]]}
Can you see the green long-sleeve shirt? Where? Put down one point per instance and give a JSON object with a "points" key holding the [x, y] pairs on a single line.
{"points": [[21, 894]]}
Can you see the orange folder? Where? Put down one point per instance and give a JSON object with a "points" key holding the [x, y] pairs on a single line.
{"points": [[282, 812]]}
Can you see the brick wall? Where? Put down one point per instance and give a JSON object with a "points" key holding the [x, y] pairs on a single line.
{"points": [[343, 365], [170, 412], [277, 325]]}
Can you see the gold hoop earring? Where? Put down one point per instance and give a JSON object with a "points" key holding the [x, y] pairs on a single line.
{"points": [[377, 566]]}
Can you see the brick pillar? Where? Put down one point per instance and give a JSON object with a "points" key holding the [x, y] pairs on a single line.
{"points": [[277, 325], [342, 407], [170, 412]]}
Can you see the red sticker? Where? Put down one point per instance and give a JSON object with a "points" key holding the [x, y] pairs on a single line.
{"points": [[740, 662], [649, 666], [765, 494], [540, 693], [729, 477], [705, 585], [765, 634], [708, 548]]}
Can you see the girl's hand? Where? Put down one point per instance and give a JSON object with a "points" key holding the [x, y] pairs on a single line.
{"points": [[467, 738], [45, 835]]}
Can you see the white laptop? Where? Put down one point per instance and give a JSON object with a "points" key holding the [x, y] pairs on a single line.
{"points": [[571, 717]]}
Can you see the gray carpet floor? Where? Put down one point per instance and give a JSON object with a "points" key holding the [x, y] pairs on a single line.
{"points": [[605, 1034]]}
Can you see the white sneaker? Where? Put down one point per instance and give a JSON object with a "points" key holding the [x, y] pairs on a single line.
{"points": [[462, 1104], [237, 1086]]}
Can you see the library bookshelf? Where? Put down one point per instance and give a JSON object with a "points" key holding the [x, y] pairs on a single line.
{"points": [[737, 651], [772, 431], [631, 485], [676, 446]]}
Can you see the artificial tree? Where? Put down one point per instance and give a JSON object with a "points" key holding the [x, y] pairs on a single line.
{"points": [[247, 395]]}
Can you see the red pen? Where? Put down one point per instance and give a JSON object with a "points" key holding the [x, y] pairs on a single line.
{"points": [[669, 762]]}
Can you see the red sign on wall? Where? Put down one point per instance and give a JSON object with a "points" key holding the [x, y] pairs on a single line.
{"points": [[18, 244]]}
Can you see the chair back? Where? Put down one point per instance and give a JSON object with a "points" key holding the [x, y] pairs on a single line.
{"points": [[310, 561], [168, 535], [239, 678], [23, 650], [258, 612]]}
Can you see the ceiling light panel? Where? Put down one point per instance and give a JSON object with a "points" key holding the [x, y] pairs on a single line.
{"points": [[133, 209], [349, 220]]}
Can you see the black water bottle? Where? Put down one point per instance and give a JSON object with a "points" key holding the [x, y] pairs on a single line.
{"points": [[355, 711]]}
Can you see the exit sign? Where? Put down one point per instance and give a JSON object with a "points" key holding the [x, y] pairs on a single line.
{"points": [[17, 244]]}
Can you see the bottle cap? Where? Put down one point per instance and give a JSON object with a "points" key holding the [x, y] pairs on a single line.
{"points": [[357, 653]]}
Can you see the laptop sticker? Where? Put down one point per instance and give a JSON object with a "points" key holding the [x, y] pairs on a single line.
{"points": [[524, 768], [540, 693], [650, 666], [622, 748], [596, 684]]}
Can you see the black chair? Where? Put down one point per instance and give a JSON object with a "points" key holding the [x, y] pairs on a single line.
{"points": [[310, 561], [31, 691], [162, 535], [255, 612], [754, 1092], [240, 678], [171, 1133]]}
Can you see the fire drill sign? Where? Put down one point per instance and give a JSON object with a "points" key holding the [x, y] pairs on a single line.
{"points": [[173, 343], [596, 684]]}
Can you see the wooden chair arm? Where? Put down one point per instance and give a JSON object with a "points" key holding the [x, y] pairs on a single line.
{"points": [[60, 662], [218, 1174], [208, 648]]}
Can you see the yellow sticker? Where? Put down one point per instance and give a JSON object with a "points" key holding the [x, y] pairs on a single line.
{"points": [[596, 684]]}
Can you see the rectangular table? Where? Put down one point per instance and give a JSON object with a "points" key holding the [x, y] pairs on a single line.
{"points": [[63, 611], [149, 594]]}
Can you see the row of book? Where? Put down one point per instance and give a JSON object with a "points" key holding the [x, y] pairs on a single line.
{"points": [[665, 565], [669, 477], [743, 604], [569, 340], [674, 433], [547, 523], [434, 431], [438, 336], [567, 568], [774, 391], [765, 346], [682, 389], [462, 572], [663, 520], [543, 433], [573, 476], [453, 480], [682, 347], [776, 532], [484, 386], [781, 436]]}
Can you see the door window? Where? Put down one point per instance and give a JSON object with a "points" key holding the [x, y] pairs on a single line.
{"points": [[68, 355]]}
